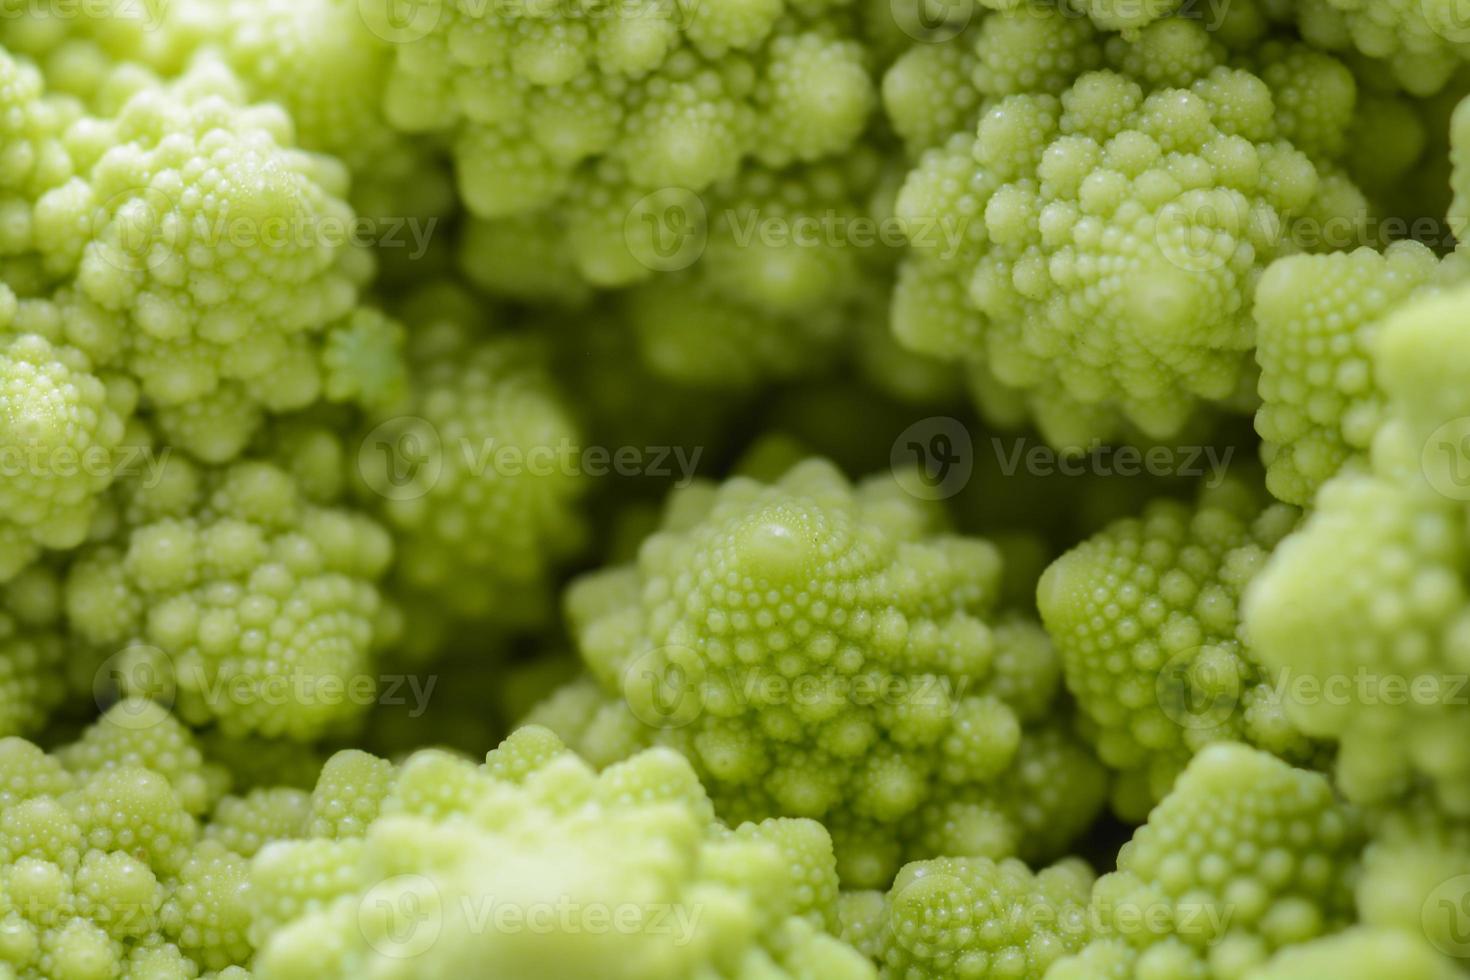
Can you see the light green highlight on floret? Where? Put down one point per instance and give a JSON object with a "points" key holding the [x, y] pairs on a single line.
{"points": [[534, 830]]}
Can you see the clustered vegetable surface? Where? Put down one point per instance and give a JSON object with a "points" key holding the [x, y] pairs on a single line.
{"points": [[747, 489]]}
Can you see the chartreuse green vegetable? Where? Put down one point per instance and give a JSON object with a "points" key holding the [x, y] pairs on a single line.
{"points": [[972, 917], [1369, 596], [531, 864], [232, 592], [1116, 220], [1146, 616], [825, 650], [1244, 857], [341, 341]]}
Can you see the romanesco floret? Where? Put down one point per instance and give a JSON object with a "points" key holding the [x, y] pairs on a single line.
{"points": [[32, 651], [972, 918], [760, 278], [1245, 856], [1366, 605], [1317, 317], [673, 94], [477, 471], [219, 248], [230, 592], [103, 872], [61, 429], [1146, 617], [1114, 231], [826, 651], [1422, 42], [532, 864]]}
